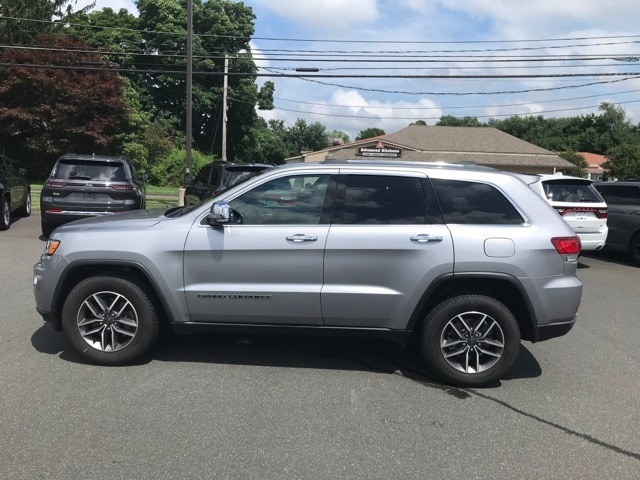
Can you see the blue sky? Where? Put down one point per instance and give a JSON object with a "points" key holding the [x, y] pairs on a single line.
{"points": [[388, 30]]}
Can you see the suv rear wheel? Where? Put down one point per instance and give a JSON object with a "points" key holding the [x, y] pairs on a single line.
{"points": [[110, 320], [634, 249], [470, 340], [5, 213], [25, 210]]}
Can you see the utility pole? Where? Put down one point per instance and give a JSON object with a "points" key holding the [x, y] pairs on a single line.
{"points": [[189, 108], [224, 108]]}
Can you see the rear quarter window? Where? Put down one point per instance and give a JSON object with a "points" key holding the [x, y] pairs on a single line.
{"points": [[474, 203]]}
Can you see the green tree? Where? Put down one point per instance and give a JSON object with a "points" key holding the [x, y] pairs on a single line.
{"points": [[302, 136], [47, 111], [578, 160], [451, 121], [337, 136], [623, 161], [23, 21], [370, 133]]}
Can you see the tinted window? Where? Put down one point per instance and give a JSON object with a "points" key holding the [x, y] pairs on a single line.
{"points": [[381, 199], [203, 175], [568, 191], [620, 194], [283, 201], [474, 203], [97, 171]]}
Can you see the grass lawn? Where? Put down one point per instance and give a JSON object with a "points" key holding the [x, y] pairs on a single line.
{"points": [[157, 197]]}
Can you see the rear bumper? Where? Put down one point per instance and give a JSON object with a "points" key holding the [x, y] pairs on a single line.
{"points": [[593, 241], [552, 330]]}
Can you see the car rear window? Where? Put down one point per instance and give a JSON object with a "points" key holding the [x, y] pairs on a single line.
{"points": [[571, 191], [95, 171]]}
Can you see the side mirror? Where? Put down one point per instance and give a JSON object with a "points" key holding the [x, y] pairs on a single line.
{"points": [[220, 214]]}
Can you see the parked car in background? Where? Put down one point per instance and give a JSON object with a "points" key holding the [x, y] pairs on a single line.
{"points": [[15, 191], [623, 199], [82, 186], [219, 176], [579, 204], [467, 261]]}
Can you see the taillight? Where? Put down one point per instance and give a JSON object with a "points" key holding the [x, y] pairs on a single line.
{"points": [[599, 212], [121, 187], [213, 192], [54, 184], [567, 245]]}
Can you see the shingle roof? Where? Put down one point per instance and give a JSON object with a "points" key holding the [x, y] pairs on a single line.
{"points": [[462, 139]]}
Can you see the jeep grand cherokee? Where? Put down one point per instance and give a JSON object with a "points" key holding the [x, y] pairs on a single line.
{"points": [[467, 260]]}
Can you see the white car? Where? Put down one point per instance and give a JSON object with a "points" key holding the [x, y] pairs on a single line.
{"points": [[579, 204]]}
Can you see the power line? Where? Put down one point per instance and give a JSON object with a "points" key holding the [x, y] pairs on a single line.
{"points": [[369, 117], [368, 107], [64, 23], [528, 90]]}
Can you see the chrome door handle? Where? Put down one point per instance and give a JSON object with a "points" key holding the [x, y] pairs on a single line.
{"points": [[424, 238], [301, 237]]}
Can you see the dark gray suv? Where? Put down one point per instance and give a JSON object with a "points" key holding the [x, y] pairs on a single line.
{"points": [[467, 261], [623, 200], [82, 186]]}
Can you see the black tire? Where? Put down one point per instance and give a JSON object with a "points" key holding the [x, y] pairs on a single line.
{"points": [[25, 210], [474, 358], [128, 330], [46, 228], [634, 249], [5, 213]]}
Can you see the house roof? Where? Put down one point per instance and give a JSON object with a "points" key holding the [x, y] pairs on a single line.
{"points": [[593, 159], [465, 139]]}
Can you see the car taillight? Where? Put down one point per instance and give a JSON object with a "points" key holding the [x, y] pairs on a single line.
{"points": [[121, 187], [54, 184], [567, 245], [599, 212], [213, 192]]}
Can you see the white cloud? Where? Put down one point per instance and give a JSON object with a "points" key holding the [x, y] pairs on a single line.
{"points": [[328, 14], [546, 18]]}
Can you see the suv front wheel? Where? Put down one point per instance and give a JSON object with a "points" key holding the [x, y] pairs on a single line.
{"points": [[110, 320], [470, 340]]}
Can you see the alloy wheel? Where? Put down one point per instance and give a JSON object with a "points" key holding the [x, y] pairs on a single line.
{"points": [[472, 342], [107, 321]]}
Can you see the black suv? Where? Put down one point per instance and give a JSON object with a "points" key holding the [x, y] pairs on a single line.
{"points": [[219, 176], [83, 186], [623, 200], [15, 193]]}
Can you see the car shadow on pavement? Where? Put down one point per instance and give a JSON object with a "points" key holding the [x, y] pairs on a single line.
{"points": [[610, 256], [289, 351]]}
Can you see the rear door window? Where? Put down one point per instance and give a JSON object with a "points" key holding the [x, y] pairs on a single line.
{"points": [[384, 200]]}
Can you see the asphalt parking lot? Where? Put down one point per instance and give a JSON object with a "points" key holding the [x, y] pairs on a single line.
{"points": [[265, 407]]}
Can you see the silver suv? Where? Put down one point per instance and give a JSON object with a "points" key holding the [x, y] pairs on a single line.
{"points": [[466, 259]]}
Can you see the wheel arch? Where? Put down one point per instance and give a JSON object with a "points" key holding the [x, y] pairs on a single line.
{"points": [[502, 287], [133, 271]]}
